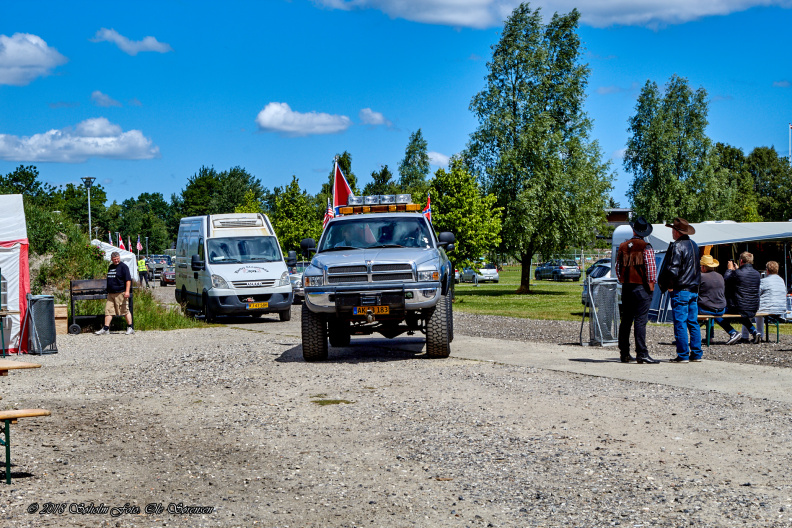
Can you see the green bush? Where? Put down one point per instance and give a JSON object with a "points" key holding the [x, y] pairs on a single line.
{"points": [[150, 315], [73, 258]]}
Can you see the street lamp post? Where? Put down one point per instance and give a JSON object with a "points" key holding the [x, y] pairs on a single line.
{"points": [[147, 247], [88, 182]]}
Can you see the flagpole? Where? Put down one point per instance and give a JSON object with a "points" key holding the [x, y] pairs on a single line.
{"points": [[790, 143]]}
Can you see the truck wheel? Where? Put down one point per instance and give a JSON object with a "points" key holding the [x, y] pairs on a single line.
{"points": [[285, 315], [437, 337], [314, 335], [450, 312], [339, 333]]}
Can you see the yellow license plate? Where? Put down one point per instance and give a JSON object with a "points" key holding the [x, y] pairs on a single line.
{"points": [[257, 306], [376, 310]]}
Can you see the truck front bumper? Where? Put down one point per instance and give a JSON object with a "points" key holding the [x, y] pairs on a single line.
{"points": [[335, 299]]}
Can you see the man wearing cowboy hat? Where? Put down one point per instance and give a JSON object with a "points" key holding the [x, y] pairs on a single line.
{"points": [[680, 274], [636, 270], [712, 291]]}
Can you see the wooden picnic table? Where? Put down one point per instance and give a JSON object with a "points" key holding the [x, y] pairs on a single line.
{"points": [[9, 364]]}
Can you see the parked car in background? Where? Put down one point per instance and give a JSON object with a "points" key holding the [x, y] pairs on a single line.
{"points": [[600, 262], [296, 279], [168, 276], [596, 271], [456, 275], [558, 270], [486, 273]]}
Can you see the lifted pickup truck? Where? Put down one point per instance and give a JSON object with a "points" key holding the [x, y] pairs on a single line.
{"points": [[378, 272]]}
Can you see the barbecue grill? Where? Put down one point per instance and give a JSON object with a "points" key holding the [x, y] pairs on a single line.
{"points": [[87, 290]]}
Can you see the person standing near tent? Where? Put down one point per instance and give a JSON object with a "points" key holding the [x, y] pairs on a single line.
{"points": [[636, 270], [680, 274], [119, 282], [143, 271]]}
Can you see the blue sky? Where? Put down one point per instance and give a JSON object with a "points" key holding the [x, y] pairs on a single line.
{"points": [[140, 95]]}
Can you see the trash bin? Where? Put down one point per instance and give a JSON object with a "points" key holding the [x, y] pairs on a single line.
{"points": [[41, 324]]}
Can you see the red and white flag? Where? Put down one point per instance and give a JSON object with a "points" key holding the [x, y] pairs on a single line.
{"points": [[341, 190], [139, 245], [121, 243], [328, 214], [129, 243], [427, 211], [110, 238]]}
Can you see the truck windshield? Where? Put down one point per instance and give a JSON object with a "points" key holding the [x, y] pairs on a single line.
{"points": [[380, 232], [242, 249]]}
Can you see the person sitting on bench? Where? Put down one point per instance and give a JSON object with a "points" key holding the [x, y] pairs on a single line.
{"points": [[712, 292], [772, 297], [742, 296]]}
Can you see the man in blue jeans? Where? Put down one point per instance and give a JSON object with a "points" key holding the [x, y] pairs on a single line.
{"points": [[680, 274]]}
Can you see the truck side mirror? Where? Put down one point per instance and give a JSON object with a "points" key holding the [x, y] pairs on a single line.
{"points": [[447, 240], [307, 245], [291, 260], [196, 263]]}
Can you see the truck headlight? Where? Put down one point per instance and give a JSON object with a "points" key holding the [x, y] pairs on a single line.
{"points": [[313, 280], [432, 275], [219, 282]]}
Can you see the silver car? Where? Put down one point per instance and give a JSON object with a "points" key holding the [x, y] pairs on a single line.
{"points": [[487, 273], [296, 279]]}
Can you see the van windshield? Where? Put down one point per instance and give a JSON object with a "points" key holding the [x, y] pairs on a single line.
{"points": [[242, 249]]}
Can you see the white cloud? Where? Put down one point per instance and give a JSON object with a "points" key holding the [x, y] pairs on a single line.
{"points": [[92, 138], [279, 117], [130, 47], [23, 57], [103, 100], [597, 13], [438, 160], [781, 84], [370, 117]]}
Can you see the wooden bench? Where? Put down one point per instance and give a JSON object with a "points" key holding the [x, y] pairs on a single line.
{"points": [[768, 320], [9, 417]]}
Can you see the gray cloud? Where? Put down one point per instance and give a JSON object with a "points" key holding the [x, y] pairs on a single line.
{"points": [[130, 47], [103, 100]]}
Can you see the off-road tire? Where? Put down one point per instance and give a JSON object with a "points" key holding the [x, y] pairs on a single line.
{"points": [[437, 331], [339, 333], [450, 313], [314, 335], [285, 315]]}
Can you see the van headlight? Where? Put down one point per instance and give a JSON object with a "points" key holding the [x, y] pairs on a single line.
{"points": [[284, 280], [219, 282], [313, 280], [431, 275]]}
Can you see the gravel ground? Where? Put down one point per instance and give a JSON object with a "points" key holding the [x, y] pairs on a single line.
{"points": [[231, 418]]}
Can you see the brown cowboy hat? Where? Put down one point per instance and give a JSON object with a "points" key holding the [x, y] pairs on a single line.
{"points": [[683, 226], [708, 261]]}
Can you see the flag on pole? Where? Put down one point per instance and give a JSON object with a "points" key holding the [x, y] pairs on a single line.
{"points": [[129, 243], [139, 245], [341, 189], [427, 211], [110, 238], [121, 243], [328, 214]]}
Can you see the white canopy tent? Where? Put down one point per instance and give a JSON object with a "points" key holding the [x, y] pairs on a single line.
{"points": [[15, 281], [127, 257]]}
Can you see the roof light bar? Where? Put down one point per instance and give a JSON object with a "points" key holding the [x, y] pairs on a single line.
{"points": [[372, 200], [387, 199], [355, 200], [403, 198]]}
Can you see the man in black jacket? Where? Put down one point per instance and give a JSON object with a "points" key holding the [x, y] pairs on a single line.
{"points": [[680, 274], [742, 296]]}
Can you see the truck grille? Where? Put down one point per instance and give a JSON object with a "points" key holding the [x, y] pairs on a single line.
{"points": [[347, 269], [391, 267], [392, 277], [356, 274], [336, 279], [254, 284]]}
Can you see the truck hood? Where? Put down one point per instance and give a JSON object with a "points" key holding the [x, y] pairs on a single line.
{"points": [[379, 255]]}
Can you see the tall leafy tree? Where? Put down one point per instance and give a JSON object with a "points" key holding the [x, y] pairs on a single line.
{"points": [[732, 169], [414, 167], [382, 183], [232, 187], [294, 216], [196, 197], [670, 156], [460, 206], [25, 181], [772, 178], [532, 148]]}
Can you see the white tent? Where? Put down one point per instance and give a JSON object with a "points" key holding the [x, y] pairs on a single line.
{"points": [[127, 257], [717, 233], [15, 281]]}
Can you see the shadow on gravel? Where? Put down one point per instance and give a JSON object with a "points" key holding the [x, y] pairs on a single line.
{"points": [[365, 351], [590, 360], [243, 319]]}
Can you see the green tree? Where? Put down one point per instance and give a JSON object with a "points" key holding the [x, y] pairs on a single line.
{"points": [[232, 186], [294, 216], [72, 200], [532, 148], [414, 167], [196, 197], [25, 181], [671, 159], [250, 203], [772, 179], [731, 168], [382, 183], [459, 206]]}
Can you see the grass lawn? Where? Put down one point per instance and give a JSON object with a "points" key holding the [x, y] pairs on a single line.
{"points": [[547, 300]]}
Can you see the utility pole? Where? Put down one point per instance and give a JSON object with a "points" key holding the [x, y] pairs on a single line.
{"points": [[147, 247], [88, 182]]}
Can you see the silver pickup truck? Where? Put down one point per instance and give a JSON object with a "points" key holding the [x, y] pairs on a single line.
{"points": [[378, 272]]}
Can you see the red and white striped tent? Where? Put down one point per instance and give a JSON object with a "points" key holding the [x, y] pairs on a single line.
{"points": [[15, 281]]}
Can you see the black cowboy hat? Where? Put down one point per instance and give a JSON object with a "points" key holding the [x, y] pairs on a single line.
{"points": [[641, 227]]}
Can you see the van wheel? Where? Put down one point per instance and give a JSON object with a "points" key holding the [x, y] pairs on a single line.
{"points": [[209, 315], [314, 335], [285, 315]]}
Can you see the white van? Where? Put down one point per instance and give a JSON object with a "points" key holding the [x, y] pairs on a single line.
{"points": [[231, 264]]}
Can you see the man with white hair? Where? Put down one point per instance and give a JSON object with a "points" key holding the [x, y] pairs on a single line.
{"points": [[119, 282]]}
